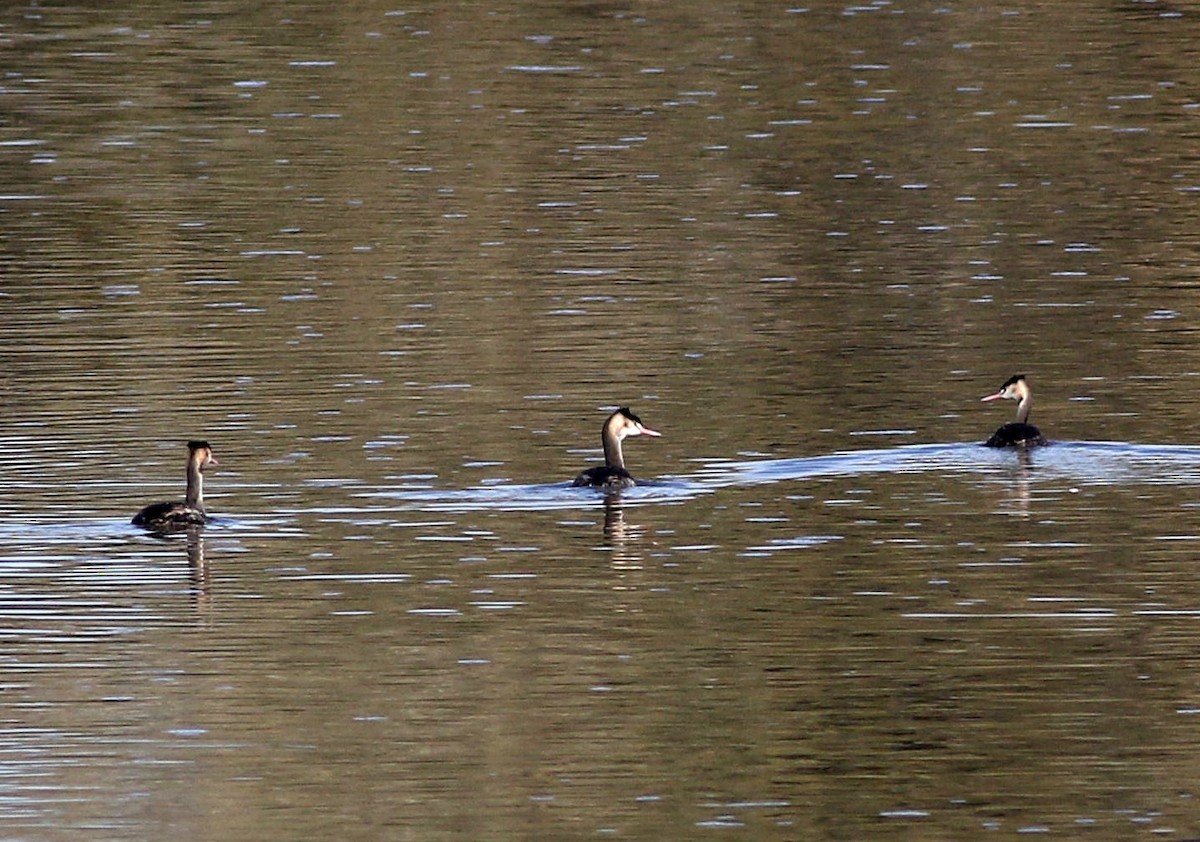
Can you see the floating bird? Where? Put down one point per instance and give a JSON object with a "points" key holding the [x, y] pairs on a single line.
{"points": [[1019, 433], [167, 516], [612, 475]]}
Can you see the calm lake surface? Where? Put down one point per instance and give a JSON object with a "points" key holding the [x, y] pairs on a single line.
{"points": [[397, 263]]}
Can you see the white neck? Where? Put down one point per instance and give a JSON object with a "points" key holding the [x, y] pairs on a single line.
{"points": [[612, 449], [1023, 406]]}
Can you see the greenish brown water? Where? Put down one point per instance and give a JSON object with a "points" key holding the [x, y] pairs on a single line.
{"points": [[397, 263]]}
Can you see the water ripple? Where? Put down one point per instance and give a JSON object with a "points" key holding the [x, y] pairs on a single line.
{"points": [[1084, 463]]}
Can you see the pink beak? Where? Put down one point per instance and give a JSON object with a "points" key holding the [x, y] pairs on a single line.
{"points": [[646, 431], [994, 397]]}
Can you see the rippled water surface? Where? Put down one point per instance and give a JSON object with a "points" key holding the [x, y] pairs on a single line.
{"points": [[397, 263]]}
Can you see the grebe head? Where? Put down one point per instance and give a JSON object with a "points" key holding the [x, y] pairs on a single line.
{"points": [[200, 453], [1014, 388], [623, 423]]}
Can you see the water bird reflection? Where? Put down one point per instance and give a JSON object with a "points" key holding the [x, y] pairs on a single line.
{"points": [[622, 538], [198, 569]]}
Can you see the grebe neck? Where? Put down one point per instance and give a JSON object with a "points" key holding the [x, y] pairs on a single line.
{"points": [[1023, 406], [612, 448], [195, 485]]}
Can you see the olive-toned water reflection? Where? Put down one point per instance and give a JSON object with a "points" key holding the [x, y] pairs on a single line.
{"points": [[198, 567], [623, 538], [1018, 498]]}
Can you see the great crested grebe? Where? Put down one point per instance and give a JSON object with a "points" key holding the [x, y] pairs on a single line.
{"points": [[165, 516], [612, 475], [1019, 433]]}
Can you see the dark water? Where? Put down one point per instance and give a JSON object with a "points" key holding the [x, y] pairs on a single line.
{"points": [[396, 264]]}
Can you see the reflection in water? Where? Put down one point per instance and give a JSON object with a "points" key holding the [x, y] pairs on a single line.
{"points": [[198, 568], [622, 538], [1017, 494], [1024, 476]]}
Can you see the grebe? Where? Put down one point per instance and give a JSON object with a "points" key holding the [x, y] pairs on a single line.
{"points": [[166, 516], [1018, 433], [613, 475]]}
